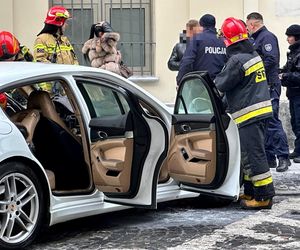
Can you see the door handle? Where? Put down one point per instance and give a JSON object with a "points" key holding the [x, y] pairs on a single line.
{"points": [[102, 135], [186, 128]]}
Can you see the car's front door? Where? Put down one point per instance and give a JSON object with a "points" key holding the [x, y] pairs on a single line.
{"points": [[204, 155], [125, 154]]}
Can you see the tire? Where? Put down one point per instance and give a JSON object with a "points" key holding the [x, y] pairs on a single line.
{"points": [[21, 205]]}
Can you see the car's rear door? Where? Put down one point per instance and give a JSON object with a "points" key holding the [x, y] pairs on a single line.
{"points": [[204, 154], [127, 146]]}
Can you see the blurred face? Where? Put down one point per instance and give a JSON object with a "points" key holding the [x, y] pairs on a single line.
{"points": [[197, 30], [252, 26], [291, 40]]}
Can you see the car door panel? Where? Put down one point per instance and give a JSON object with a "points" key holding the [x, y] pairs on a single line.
{"points": [[111, 126], [127, 145], [192, 157], [111, 164], [199, 154]]}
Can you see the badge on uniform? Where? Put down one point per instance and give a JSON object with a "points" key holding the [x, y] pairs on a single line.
{"points": [[268, 47]]}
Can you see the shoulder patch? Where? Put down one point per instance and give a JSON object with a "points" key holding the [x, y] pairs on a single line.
{"points": [[40, 50], [268, 47]]}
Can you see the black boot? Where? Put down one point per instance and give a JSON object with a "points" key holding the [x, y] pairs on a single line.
{"points": [[294, 155], [296, 159], [283, 165]]}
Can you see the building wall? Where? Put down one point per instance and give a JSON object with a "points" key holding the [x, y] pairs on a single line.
{"points": [[25, 20]]}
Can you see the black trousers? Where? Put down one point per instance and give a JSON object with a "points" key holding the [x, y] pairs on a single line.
{"points": [[259, 182]]}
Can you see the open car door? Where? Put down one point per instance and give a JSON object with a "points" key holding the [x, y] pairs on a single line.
{"points": [[127, 145], [204, 155]]}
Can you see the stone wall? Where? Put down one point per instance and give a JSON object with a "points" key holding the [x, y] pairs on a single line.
{"points": [[284, 114]]}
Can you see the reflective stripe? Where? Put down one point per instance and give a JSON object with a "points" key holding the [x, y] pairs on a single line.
{"points": [[247, 178], [261, 176], [51, 48], [251, 108], [252, 114], [254, 68], [264, 182], [251, 62], [238, 37]]}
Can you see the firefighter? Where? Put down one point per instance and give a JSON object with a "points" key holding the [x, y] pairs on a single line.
{"points": [[266, 44], [11, 50], [243, 81], [51, 45]]}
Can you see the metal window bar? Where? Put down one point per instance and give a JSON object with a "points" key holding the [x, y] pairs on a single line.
{"points": [[146, 46]]}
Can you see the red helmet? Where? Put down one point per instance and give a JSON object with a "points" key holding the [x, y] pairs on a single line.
{"points": [[3, 100], [234, 30], [9, 45], [57, 15]]}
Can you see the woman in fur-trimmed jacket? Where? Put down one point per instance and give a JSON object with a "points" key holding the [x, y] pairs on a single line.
{"points": [[101, 48]]}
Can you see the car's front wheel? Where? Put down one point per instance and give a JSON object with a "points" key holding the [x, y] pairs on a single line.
{"points": [[21, 205]]}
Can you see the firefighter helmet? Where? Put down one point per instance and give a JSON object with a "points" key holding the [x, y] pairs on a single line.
{"points": [[57, 15], [9, 45], [3, 100], [234, 30]]}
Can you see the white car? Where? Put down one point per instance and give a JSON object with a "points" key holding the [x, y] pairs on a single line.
{"points": [[104, 144]]}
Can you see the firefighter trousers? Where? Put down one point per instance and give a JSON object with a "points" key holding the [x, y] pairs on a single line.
{"points": [[258, 181]]}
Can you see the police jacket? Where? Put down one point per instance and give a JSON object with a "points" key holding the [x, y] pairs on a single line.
{"points": [[176, 56], [206, 52], [291, 71], [48, 48], [266, 45], [244, 83]]}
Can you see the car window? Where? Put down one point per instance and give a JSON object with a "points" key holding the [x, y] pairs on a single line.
{"points": [[195, 98], [103, 101]]}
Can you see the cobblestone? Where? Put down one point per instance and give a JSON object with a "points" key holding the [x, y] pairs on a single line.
{"points": [[187, 224]]}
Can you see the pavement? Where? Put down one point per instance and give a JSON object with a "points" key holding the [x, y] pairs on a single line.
{"points": [[288, 182], [188, 224], [278, 228]]}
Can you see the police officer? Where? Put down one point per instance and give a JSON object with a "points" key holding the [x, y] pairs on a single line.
{"points": [[290, 78], [51, 45], [192, 28], [266, 44], [206, 51], [244, 83]]}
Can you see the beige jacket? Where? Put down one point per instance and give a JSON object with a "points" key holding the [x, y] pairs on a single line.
{"points": [[102, 52]]}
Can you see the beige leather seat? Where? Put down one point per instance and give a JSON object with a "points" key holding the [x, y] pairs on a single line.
{"points": [[51, 178], [41, 100], [27, 119]]}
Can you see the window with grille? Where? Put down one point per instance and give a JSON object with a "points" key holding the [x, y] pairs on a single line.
{"points": [[132, 19]]}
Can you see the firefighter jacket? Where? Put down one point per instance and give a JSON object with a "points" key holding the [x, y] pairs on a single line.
{"points": [[291, 71], [243, 80], [24, 55], [205, 52], [176, 56], [48, 48], [266, 45]]}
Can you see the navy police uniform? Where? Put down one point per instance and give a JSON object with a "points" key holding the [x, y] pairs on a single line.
{"points": [[291, 80], [206, 52], [266, 44]]}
